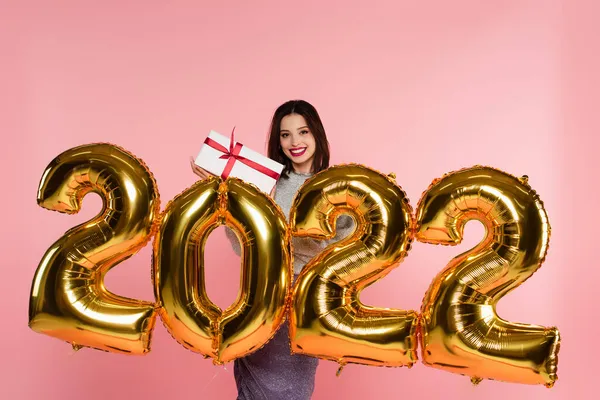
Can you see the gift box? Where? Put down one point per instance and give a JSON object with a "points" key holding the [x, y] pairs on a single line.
{"points": [[224, 157]]}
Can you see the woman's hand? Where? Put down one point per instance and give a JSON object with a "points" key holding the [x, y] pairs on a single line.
{"points": [[201, 172]]}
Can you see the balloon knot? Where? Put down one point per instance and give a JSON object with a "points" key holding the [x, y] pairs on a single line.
{"points": [[217, 362], [76, 347], [339, 371], [475, 380]]}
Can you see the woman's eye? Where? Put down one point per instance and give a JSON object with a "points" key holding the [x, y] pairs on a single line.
{"points": [[304, 132], [284, 135]]}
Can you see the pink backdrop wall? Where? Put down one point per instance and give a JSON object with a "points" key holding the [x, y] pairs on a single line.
{"points": [[418, 88]]}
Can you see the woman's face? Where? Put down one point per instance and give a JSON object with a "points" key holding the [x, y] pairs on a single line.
{"points": [[297, 142]]}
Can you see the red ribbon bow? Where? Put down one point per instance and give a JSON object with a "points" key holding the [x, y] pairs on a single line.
{"points": [[233, 153]]}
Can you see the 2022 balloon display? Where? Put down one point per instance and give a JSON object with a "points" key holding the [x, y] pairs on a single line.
{"points": [[457, 328]]}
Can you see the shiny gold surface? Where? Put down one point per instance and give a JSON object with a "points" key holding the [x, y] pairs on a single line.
{"points": [[327, 318], [461, 331], [68, 298], [189, 315]]}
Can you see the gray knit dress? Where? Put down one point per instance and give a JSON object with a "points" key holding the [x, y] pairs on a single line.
{"points": [[272, 372]]}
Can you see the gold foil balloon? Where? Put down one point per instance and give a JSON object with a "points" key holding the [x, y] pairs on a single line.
{"points": [[68, 298], [189, 315], [327, 318], [461, 331]]}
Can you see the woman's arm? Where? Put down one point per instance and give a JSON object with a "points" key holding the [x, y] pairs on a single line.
{"points": [[232, 237], [235, 243], [344, 226]]}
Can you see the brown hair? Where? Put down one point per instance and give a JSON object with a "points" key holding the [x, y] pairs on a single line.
{"points": [[310, 114]]}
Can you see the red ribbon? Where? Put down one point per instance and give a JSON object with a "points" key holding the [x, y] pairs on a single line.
{"points": [[233, 154]]}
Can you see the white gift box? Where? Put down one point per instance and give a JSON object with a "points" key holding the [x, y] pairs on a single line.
{"points": [[222, 157]]}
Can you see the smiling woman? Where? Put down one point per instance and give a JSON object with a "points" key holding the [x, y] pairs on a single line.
{"points": [[297, 140]]}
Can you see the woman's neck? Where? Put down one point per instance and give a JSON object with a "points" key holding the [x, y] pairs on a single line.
{"points": [[302, 169], [293, 171]]}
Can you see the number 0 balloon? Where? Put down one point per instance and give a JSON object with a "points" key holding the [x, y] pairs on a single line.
{"points": [[196, 322]]}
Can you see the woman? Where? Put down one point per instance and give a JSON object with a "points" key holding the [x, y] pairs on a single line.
{"points": [[297, 140]]}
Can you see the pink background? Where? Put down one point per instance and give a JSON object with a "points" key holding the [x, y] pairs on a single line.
{"points": [[418, 88]]}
